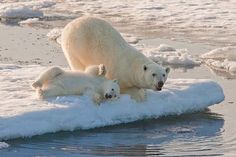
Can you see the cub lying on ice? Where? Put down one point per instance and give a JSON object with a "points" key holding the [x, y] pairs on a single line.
{"points": [[56, 82]]}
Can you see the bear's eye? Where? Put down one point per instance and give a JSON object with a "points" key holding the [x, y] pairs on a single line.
{"points": [[164, 75], [112, 89], [154, 75]]}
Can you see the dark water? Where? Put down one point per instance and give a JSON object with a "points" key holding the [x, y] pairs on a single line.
{"points": [[190, 134], [208, 133]]}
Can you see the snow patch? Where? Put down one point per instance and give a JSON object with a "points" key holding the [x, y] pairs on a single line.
{"points": [[22, 115]]}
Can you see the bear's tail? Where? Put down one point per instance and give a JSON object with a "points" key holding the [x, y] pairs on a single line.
{"points": [[47, 76]]}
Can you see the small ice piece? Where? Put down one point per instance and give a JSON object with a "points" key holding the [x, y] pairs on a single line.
{"points": [[20, 12], [4, 145], [29, 21], [168, 55], [54, 33], [165, 47]]}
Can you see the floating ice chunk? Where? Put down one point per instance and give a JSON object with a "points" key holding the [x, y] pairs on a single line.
{"points": [[221, 59], [3, 145], [221, 53], [29, 9], [29, 21], [129, 38], [169, 55], [20, 12], [165, 47], [55, 34], [22, 115]]}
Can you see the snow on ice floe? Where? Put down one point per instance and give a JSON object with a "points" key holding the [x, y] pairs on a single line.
{"points": [[28, 9], [22, 115], [221, 59], [3, 145]]}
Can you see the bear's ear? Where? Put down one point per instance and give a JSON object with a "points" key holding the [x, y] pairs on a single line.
{"points": [[144, 67], [167, 70]]}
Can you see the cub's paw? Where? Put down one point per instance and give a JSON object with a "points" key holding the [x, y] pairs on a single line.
{"points": [[40, 93]]}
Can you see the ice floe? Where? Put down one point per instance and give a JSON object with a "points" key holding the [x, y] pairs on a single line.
{"points": [[22, 115], [166, 54], [221, 59], [27, 9]]}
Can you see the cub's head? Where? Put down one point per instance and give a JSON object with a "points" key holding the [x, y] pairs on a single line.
{"points": [[155, 76], [111, 89]]}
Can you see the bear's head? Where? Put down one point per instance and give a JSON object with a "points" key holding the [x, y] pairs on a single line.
{"points": [[111, 89], [155, 76]]}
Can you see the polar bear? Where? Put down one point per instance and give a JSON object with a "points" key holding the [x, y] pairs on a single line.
{"points": [[87, 41], [56, 82]]}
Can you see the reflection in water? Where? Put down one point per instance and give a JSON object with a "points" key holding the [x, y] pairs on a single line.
{"points": [[189, 134]]}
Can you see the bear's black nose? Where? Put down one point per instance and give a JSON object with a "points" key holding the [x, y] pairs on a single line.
{"points": [[160, 84], [107, 96]]}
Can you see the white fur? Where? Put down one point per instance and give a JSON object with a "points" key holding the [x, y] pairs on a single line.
{"points": [[56, 82], [87, 41]]}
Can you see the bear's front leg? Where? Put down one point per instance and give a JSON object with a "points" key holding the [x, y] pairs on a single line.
{"points": [[136, 93]]}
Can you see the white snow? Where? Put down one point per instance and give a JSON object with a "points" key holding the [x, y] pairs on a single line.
{"points": [[3, 145], [168, 55], [22, 115], [222, 59]]}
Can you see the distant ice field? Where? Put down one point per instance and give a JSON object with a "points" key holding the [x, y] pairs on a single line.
{"points": [[211, 21], [22, 115]]}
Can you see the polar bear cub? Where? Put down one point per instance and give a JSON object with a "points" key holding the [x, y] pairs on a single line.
{"points": [[57, 82]]}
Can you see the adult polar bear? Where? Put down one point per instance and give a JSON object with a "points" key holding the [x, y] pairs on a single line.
{"points": [[90, 41]]}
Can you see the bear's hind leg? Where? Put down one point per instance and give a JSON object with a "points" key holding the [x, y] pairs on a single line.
{"points": [[50, 91]]}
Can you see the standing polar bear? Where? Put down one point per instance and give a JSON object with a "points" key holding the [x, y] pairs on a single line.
{"points": [[56, 82], [87, 41]]}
